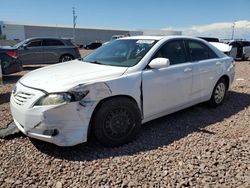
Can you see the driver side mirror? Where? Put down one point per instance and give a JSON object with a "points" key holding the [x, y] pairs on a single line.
{"points": [[159, 62], [25, 46]]}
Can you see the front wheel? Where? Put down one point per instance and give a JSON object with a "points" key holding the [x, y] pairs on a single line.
{"points": [[219, 93], [116, 122]]}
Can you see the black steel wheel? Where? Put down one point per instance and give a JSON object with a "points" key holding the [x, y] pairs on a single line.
{"points": [[116, 122]]}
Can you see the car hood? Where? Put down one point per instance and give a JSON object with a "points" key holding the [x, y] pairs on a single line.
{"points": [[64, 76]]}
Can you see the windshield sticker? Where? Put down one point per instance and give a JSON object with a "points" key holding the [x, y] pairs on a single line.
{"points": [[145, 41]]}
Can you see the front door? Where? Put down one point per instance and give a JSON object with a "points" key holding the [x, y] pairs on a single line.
{"points": [[31, 53], [167, 88]]}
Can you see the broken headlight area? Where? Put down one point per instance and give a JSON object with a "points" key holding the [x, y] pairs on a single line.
{"points": [[54, 99], [79, 95]]}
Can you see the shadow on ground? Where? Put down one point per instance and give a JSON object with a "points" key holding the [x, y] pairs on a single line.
{"points": [[4, 97], [11, 79], [157, 133], [31, 68]]}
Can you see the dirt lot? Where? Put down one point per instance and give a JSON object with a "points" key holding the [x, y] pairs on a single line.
{"points": [[197, 147]]}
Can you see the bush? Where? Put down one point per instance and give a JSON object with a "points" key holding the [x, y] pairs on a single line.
{"points": [[2, 37]]}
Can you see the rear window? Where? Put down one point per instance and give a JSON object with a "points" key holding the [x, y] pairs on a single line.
{"points": [[68, 42], [52, 42]]}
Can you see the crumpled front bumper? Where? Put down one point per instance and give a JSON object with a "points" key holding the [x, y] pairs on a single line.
{"points": [[63, 125]]}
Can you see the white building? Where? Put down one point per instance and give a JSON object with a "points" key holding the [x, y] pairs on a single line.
{"points": [[17, 31]]}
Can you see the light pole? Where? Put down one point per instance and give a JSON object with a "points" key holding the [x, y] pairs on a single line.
{"points": [[74, 24], [233, 27]]}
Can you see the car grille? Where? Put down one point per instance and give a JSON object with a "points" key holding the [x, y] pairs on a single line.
{"points": [[21, 98]]}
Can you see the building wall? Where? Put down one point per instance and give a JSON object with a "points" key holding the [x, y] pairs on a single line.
{"points": [[161, 32], [12, 31], [83, 36]]}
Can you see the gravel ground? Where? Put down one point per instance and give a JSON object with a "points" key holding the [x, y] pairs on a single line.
{"points": [[196, 147]]}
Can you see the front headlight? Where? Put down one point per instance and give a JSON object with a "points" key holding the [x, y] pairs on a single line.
{"points": [[54, 99]]}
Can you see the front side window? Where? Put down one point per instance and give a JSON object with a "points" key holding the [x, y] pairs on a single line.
{"points": [[174, 51], [36, 43], [51, 42], [122, 53]]}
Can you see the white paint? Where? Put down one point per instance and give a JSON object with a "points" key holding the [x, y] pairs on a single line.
{"points": [[164, 89], [222, 46]]}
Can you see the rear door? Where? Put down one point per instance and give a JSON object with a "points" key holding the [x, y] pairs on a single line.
{"points": [[32, 52], [206, 65], [167, 88], [53, 49]]}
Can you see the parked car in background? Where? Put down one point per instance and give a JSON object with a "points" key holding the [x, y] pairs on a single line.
{"points": [[240, 49], [225, 48], [9, 61], [210, 39], [114, 37], [93, 45], [37, 51], [119, 86]]}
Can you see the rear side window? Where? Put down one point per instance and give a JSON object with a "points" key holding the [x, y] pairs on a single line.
{"points": [[199, 51], [174, 51], [68, 42], [35, 43], [51, 42]]}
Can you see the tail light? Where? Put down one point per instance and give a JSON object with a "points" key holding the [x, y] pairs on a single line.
{"points": [[12, 54]]}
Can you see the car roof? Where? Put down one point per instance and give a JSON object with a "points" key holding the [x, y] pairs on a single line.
{"points": [[56, 38], [160, 37]]}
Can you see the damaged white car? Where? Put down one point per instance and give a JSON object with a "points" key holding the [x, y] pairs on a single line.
{"points": [[119, 86]]}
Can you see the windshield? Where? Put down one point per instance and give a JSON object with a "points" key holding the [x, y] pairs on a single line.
{"points": [[20, 43], [122, 53]]}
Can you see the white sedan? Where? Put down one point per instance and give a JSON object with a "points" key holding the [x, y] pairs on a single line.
{"points": [[121, 85]]}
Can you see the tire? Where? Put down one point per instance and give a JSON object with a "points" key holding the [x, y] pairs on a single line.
{"points": [[219, 93], [117, 121], [65, 58]]}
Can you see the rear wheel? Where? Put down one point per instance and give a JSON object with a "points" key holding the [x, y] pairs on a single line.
{"points": [[116, 122], [219, 93], [65, 58]]}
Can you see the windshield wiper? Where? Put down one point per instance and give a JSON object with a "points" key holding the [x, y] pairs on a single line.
{"points": [[96, 62]]}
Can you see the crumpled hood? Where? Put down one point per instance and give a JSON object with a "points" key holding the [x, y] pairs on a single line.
{"points": [[62, 77]]}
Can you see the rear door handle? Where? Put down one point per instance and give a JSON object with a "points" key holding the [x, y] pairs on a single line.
{"points": [[187, 69], [218, 63]]}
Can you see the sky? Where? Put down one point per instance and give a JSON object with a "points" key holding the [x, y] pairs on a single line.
{"points": [[193, 17]]}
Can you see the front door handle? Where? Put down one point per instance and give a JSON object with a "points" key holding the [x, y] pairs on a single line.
{"points": [[187, 69], [218, 63]]}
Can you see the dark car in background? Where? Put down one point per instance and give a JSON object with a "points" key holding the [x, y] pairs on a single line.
{"points": [[9, 61], [240, 49], [37, 51], [93, 45]]}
